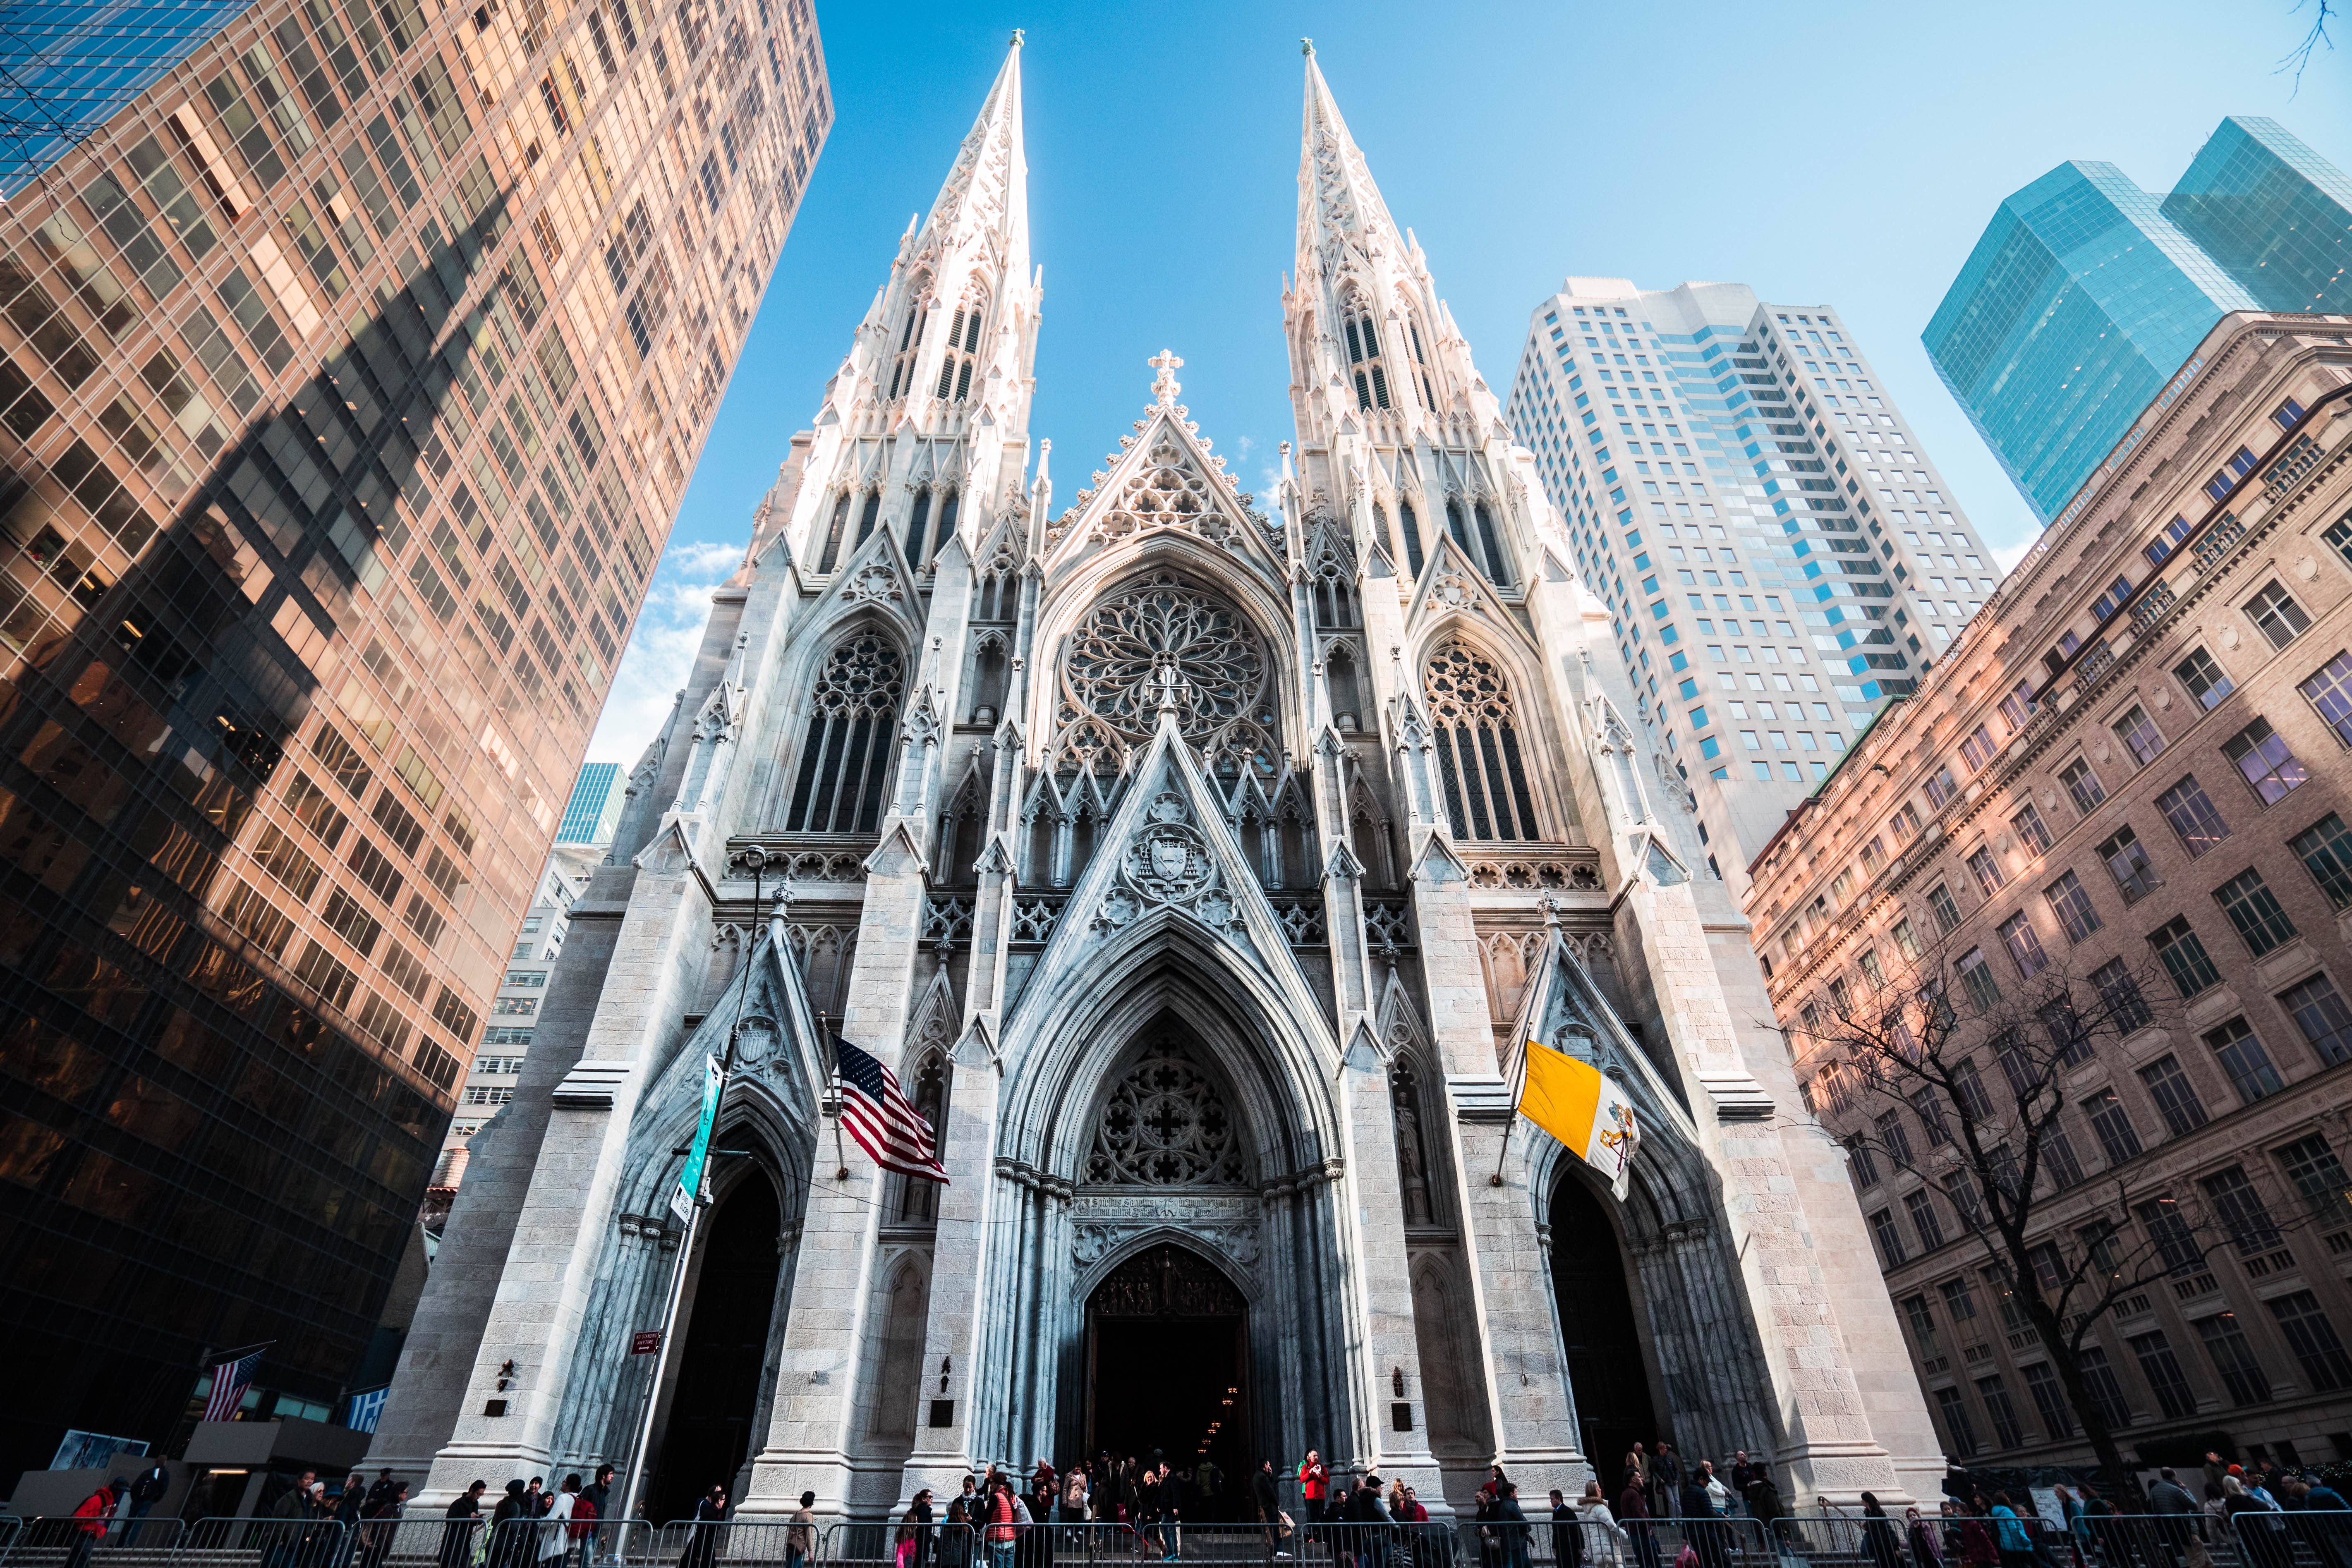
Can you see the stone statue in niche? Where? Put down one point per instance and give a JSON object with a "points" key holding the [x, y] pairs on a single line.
{"points": [[1413, 1156], [1167, 1281]]}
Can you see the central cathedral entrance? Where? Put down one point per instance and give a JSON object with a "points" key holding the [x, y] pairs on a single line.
{"points": [[1167, 1370]]}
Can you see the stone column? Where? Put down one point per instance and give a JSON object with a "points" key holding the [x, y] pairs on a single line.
{"points": [[820, 1364], [550, 1265], [960, 1258]]}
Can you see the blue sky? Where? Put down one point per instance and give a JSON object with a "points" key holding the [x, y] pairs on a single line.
{"points": [[1846, 155]]}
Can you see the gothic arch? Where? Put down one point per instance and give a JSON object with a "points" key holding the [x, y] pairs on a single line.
{"points": [[902, 1308], [1091, 1276], [1452, 1392], [909, 344], [1502, 767], [1262, 599]]}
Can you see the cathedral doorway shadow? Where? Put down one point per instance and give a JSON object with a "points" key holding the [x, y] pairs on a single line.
{"points": [[715, 1392], [1167, 1368], [1607, 1361]]}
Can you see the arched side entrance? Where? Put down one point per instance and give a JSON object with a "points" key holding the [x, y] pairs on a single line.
{"points": [[715, 1393], [1167, 1363], [1608, 1365]]}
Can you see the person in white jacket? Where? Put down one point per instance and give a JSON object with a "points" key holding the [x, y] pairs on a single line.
{"points": [[555, 1524], [1605, 1541]]}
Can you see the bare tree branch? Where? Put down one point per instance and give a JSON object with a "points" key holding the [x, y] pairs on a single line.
{"points": [[2313, 42]]}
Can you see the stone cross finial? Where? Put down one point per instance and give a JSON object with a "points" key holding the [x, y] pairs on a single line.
{"points": [[1167, 681], [1305, 46], [1018, 37], [1163, 386]]}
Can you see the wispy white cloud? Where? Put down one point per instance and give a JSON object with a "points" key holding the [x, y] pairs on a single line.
{"points": [[661, 651], [2009, 555]]}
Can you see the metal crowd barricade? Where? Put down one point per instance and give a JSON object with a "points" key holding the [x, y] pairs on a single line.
{"points": [[1337, 1544], [2301, 1538], [875, 1543], [53, 1542], [1720, 1541], [264, 1543], [2145, 1540]]}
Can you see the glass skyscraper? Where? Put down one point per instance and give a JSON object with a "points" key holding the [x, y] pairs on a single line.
{"points": [[594, 805], [1780, 555], [350, 376], [2086, 295]]}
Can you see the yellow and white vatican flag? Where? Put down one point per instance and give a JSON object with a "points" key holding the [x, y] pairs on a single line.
{"points": [[1575, 1102], [1582, 1107]]}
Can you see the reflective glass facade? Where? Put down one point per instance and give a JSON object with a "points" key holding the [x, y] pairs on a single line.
{"points": [[2074, 309], [2086, 295], [349, 380], [594, 805], [66, 66], [2273, 212]]}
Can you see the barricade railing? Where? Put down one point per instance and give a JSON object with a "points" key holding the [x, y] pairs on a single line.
{"points": [[2299, 1538], [46, 1542], [11, 1527], [1346, 1544], [264, 1543], [877, 1543], [1719, 1542]]}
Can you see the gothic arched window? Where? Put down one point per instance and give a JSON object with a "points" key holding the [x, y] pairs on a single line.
{"points": [[853, 730], [963, 351], [832, 555], [1478, 758], [917, 524], [1411, 524], [1421, 362], [921, 1199], [1459, 528], [910, 340], [1364, 359], [1412, 1145], [1495, 572], [1165, 1124], [867, 514]]}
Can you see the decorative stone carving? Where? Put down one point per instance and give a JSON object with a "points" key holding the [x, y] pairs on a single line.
{"points": [[1165, 1124], [1114, 676], [1167, 1281]]}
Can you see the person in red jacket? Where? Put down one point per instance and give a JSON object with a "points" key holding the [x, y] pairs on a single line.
{"points": [[92, 1520], [1314, 1482]]}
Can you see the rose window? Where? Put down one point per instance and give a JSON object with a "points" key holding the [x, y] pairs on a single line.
{"points": [[1165, 1124], [1119, 662]]}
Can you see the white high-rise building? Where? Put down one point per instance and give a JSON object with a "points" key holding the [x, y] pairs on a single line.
{"points": [[1780, 556]]}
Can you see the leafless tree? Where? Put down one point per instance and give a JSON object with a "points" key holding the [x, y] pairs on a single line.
{"points": [[2313, 40], [1916, 1066]]}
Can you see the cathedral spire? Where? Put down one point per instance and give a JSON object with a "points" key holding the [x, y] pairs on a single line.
{"points": [[988, 188], [1337, 198]]}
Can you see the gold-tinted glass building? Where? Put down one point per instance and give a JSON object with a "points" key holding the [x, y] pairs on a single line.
{"points": [[350, 377]]}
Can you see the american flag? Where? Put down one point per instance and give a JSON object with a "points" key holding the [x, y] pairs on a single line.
{"points": [[230, 1380], [884, 1122]]}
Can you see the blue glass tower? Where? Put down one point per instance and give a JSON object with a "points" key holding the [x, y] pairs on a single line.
{"points": [[2273, 212], [594, 808], [66, 66], [2087, 294], [2075, 307]]}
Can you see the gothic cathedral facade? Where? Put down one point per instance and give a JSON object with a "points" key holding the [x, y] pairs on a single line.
{"points": [[1188, 859]]}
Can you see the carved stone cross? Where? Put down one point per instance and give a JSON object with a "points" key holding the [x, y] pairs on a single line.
{"points": [[1163, 386]]}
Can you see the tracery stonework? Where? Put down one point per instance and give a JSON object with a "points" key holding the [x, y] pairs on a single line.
{"points": [[1113, 678], [1167, 1282], [1165, 1124]]}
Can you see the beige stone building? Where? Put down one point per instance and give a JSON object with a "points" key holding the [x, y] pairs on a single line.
{"points": [[2133, 763]]}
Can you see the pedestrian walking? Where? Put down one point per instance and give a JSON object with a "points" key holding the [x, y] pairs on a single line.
{"points": [[382, 1520], [555, 1524], [800, 1531], [963, 1520], [1880, 1545], [91, 1520], [709, 1514], [1926, 1552], [1634, 1519], [596, 1503], [1003, 1524], [464, 1515], [147, 1488], [1602, 1540], [1314, 1485], [1074, 1494], [909, 1545]]}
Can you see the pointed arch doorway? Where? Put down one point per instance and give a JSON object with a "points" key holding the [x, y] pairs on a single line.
{"points": [[1167, 1361], [1608, 1363], [715, 1394]]}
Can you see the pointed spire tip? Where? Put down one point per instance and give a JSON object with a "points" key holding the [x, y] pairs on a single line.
{"points": [[1019, 37], [1307, 48]]}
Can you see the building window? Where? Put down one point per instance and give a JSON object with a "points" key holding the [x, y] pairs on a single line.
{"points": [[1923, 1220], [1931, 1116], [1890, 1240], [1413, 548], [1986, 870], [2184, 956], [2005, 1434], [1365, 360], [1485, 779], [2070, 902], [2319, 1176], [2162, 1370], [2261, 754], [2307, 1332], [2190, 810], [2120, 992], [2233, 1358], [2330, 691], [2128, 864], [2049, 1400], [1906, 940], [2113, 1126], [853, 731], [1940, 904], [2082, 785], [2318, 1010], [962, 353], [2204, 680], [2100, 1382], [1864, 1163], [2327, 851], [2140, 734], [2241, 1054], [1969, 1090], [2030, 831], [2024, 947], [2254, 910], [1942, 787], [1982, 989], [2176, 1098], [2174, 1242], [2282, 620], [1957, 1429]]}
